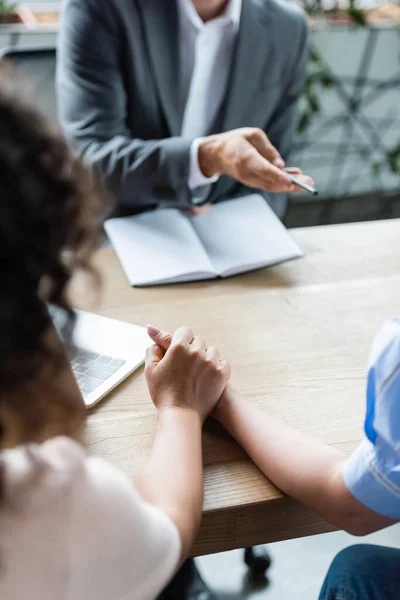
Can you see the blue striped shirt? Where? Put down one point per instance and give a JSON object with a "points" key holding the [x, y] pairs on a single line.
{"points": [[372, 473]]}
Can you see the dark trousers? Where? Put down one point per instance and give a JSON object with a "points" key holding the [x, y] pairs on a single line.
{"points": [[363, 572]]}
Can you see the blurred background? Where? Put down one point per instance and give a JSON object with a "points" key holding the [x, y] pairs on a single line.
{"points": [[348, 135]]}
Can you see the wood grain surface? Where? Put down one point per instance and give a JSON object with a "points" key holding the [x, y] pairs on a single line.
{"points": [[297, 336]]}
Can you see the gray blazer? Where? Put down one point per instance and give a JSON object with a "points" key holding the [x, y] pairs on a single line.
{"points": [[118, 92]]}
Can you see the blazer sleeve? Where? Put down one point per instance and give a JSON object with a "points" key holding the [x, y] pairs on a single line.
{"points": [[92, 110]]}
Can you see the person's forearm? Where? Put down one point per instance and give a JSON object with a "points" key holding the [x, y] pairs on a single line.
{"points": [[138, 171], [172, 479], [299, 465]]}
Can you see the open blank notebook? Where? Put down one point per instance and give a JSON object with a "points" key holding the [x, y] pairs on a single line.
{"points": [[168, 246]]}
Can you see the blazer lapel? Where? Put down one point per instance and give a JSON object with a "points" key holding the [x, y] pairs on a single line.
{"points": [[253, 50], [161, 25]]}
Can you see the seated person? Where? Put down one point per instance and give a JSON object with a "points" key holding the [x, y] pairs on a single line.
{"points": [[360, 494], [74, 527], [183, 101]]}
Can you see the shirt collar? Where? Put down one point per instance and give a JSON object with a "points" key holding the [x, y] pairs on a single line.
{"points": [[232, 13]]}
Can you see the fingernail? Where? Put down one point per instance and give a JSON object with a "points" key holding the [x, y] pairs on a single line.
{"points": [[152, 330]]}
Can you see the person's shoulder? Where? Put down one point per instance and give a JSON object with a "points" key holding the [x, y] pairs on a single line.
{"points": [[39, 477], [287, 13], [118, 545], [60, 470], [99, 4], [106, 11], [58, 452], [119, 5]]}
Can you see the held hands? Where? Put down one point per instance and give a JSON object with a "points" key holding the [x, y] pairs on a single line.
{"points": [[181, 371], [248, 156]]}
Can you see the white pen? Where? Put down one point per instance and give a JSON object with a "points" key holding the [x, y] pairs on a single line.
{"points": [[300, 183]]}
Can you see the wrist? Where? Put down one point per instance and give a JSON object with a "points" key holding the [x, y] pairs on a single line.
{"points": [[208, 155], [179, 412], [226, 405]]}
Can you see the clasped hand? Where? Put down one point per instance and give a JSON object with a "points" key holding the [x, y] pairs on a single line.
{"points": [[181, 371]]}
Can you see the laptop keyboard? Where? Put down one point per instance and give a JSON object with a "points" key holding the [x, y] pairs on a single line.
{"points": [[91, 369]]}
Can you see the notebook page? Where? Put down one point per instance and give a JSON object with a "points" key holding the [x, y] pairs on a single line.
{"points": [[244, 234], [158, 247]]}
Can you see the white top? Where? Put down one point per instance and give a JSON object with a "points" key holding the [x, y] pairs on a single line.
{"points": [[206, 51], [74, 528]]}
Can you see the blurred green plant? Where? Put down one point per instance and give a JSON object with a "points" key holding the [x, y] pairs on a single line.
{"points": [[315, 8], [7, 8], [318, 77], [394, 159], [357, 15]]}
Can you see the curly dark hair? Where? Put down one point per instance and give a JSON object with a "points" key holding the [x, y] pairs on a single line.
{"points": [[49, 224]]}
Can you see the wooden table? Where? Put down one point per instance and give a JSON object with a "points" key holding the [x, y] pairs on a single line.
{"points": [[298, 338]]}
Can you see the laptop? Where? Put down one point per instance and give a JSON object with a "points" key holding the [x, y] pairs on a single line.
{"points": [[103, 352]]}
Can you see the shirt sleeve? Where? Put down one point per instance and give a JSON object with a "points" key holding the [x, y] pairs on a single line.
{"points": [[199, 184], [372, 474]]}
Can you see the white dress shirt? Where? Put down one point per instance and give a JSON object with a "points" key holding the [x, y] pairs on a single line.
{"points": [[73, 527], [206, 51]]}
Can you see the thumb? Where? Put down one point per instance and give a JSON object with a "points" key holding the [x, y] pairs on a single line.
{"points": [[159, 337], [154, 354]]}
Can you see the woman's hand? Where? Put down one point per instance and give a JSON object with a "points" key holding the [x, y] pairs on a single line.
{"points": [[182, 371]]}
